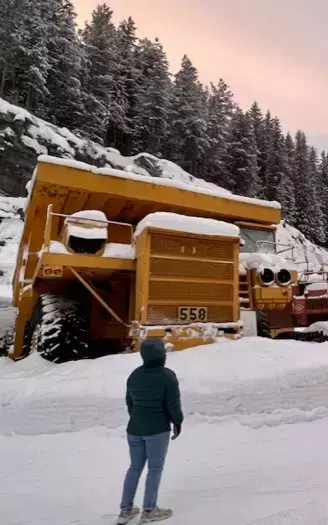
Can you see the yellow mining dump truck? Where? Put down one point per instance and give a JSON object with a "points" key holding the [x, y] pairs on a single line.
{"points": [[99, 268], [108, 258]]}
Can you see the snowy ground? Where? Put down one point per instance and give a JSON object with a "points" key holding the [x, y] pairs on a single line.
{"points": [[253, 449]]}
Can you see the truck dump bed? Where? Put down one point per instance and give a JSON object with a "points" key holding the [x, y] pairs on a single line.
{"points": [[70, 186]]}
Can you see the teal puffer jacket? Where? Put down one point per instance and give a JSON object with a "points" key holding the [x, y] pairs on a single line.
{"points": [[153, 394]]}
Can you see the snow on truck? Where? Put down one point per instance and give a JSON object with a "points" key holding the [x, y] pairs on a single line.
{"points": [[108, 258]]}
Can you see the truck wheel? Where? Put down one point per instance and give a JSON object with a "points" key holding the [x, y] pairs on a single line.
{"points": [[58, 329], [263, 325]]}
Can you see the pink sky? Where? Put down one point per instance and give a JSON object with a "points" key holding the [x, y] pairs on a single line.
{"points": [[274, 52]]}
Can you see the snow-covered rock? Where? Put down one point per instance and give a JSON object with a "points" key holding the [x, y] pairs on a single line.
{"points": [[11, 226]]}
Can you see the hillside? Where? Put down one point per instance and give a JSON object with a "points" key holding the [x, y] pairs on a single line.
{"points": [[306, 254], [23, 137]]}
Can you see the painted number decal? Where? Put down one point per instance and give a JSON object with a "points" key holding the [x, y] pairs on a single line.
{"points": [[192, 314]]}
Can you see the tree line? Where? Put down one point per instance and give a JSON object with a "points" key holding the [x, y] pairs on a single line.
{"points": [[104, 83]]}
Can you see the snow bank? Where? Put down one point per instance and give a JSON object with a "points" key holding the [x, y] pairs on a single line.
{"points": [[11, 207], [250, 378], [319, 326], [182, 223], [11, 226]]}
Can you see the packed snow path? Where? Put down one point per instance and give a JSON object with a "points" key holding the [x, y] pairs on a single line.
{"points": [[253, 450]]}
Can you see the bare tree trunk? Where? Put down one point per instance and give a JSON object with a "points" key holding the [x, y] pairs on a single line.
{"points": [[29, 98], [3, 80]]}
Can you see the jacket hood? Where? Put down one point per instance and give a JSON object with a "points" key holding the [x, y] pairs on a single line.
{"points": [[153, 353]]}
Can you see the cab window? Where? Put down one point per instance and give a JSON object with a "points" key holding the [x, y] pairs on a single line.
{"points": [[252, 241]]}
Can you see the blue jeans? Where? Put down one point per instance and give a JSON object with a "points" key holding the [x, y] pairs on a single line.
{"points": [[145, 448]]}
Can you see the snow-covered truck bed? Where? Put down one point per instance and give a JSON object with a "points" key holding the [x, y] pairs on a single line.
{"points": [[98, 260]]}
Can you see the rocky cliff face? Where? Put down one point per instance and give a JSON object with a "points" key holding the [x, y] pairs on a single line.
{"points": [[24, 137]]}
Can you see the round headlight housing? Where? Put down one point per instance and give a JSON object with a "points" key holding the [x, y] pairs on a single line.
{"points": [[267, 276], [283, 277]]}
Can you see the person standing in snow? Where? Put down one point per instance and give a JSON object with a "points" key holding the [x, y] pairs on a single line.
{"points": [[153, 402]]}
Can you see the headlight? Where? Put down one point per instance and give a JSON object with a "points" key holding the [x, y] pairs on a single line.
{"points": [[267, 276], [283, 277]]}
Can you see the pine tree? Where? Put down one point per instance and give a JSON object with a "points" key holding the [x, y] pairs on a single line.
{"points": [[317, 219], [286, 187], [99, 40], [309, 216], [258, 124], [219, 114], [65, 104], [322, 189], [23, 52], [276, 162], [243, 167], [188, 141], [124, 91], [152, 97], [12, 19], [267, 153], [301, 170]]}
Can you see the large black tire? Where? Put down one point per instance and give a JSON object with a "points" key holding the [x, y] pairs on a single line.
{"points": [[263, 325], [58, 329]]}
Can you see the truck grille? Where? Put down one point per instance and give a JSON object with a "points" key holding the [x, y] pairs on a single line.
{"points": [[317, 304], [201, 248]]}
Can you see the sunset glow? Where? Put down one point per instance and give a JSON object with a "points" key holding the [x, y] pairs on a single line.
{"points": [[274, 52]]}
